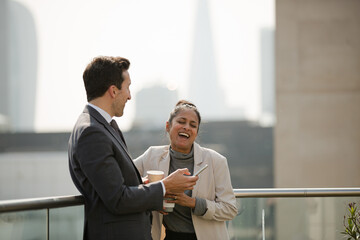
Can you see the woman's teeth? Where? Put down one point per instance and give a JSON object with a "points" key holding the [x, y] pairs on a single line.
{"points": [[184, 135]]}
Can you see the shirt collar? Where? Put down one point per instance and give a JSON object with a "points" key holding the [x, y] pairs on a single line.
{"points": [[102, 112]]}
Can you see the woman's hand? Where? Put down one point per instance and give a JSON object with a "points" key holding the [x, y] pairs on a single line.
{"points": [[182, 199], [164, 213]]}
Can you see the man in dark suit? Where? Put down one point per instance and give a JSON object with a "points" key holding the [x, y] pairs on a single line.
{"points": [[117, 203]]}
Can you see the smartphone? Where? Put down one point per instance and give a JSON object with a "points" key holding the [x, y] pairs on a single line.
{"points": [[202, 169]]}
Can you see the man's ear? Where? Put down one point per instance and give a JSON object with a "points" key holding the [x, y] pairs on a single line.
{"points": [[112, 90]]}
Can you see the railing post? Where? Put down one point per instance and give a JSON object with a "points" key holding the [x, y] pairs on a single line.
{"points": [[47, 224]]}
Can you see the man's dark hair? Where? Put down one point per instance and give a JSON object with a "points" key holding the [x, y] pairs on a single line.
{"points": [[101, 73]]}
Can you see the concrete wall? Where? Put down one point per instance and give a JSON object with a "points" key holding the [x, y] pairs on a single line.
{"points": [[317, 134]]}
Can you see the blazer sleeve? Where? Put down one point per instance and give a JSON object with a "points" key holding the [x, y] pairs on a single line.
{"points": [[101, 162], [223, 207]]}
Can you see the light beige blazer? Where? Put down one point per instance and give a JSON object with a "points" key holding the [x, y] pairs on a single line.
{"points": [[214, 185]]}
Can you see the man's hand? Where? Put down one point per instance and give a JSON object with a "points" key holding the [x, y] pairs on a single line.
{"points": [[177, 182]]}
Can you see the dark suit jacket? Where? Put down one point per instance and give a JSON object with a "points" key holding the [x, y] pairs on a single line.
{"points": [[117, 205]]}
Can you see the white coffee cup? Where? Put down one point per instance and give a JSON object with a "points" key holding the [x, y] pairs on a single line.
{"points": [[155, 175], [168, 207]]}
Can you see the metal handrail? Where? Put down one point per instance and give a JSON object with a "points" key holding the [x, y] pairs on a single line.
{"points": [[66, 201], [40, 203], [296, 192]]}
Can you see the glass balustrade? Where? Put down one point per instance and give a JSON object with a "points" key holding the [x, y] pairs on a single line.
{"points": [[270, 216], [23, 225], [306, 218], [59, 224], [66, 223]]}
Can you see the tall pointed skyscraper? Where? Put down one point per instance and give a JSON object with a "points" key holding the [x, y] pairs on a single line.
{"points": [[204, 89], [267, 77], [4, 107], [22, 67]]}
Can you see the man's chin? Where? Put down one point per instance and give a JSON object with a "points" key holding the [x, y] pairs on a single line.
{"points": [[119, 114]]}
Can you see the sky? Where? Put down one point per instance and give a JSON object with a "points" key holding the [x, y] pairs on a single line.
{"points": [[156, 36]]}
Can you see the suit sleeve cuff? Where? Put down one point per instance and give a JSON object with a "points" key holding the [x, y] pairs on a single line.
{"points": [[163, 187]]}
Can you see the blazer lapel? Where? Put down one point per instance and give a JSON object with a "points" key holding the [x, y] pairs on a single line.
{"points": [[198, 160], [107, 126], [112, 131], [164, 163], [117, 137]]}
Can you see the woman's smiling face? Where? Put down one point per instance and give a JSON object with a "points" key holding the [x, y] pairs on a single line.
{"points": [[183, 130]]}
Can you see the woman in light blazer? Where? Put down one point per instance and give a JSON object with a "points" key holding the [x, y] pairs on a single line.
{"points": [[200, 213]]}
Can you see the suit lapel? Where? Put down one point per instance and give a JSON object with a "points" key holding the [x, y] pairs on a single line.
{"points": [[117, 137], [95, 114], [107, 126]]}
